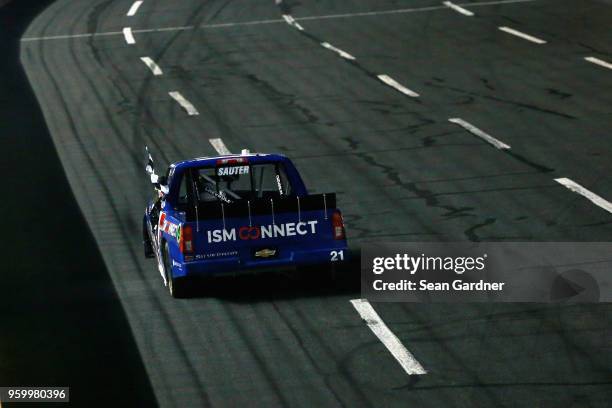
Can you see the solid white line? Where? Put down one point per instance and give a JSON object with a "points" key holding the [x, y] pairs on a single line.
{"points": [[219, 146], [161, 30], [522, 35], [291, 21], [599, 62], [485, 136], [134, 8], [594, 198], [274, 21], [129, 37], [386, 336], [458, 9], [152, 66], [343, 54], [69, 36], [394, 84], [191, 110]]}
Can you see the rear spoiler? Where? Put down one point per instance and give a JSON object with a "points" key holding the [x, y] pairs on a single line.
{"points": [[217, 210]]}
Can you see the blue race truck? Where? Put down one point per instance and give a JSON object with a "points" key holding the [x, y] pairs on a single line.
{"points": [[235, 214]]}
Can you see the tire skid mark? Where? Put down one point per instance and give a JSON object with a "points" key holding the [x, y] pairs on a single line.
{"points": [[286, 10], [126, 236], [260, 360], [349, 377], [115, 210]]}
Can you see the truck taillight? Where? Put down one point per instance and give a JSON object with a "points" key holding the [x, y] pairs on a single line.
{"points": [[338, 225], [186, 241]]}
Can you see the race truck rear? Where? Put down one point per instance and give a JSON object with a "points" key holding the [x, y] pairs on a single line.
{"points": [[238, 214]]}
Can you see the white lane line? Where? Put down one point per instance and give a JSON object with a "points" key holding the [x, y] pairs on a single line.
{"points": [[390, 340], [291, 21], [112, 33], [134, 8], [128, 35], [273, 21], [522, 35], [69, 36], [152, 66], [483, 135], [219, 146], [191, 110], [599, 62], [394, 84], [577, 188], [408, 10], [343, 54], [458, 9]]}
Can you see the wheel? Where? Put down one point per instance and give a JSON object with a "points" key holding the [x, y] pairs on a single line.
{"points": [[146, 241], [176, 286]]}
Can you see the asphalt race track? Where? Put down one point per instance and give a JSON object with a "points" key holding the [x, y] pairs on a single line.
{"points": [[366, 114]]}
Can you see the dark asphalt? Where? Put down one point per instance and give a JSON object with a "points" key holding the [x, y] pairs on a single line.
{"points": [[401, 170], [61, 321]]}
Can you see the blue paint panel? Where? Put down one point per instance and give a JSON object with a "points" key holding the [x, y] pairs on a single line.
{"points": [[244, 236]]}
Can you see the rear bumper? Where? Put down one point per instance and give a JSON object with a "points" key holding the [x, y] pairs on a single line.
{"points": [[229, 265]]}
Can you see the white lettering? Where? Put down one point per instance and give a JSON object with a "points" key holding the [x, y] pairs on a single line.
{"points": [[229, 235], [299, 228], [279, 230], [313, 226], [266, 231], [290, 229], [232, 171]]}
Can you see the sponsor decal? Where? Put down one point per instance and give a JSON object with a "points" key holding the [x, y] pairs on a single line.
{"points": [[232, 171], [216, 255], [220, 195], [265, 253], [169, 227], [246, 233], [279, 184]]}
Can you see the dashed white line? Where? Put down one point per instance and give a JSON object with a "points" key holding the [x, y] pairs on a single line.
{"points": [[134, 8], [386, 336], [483, 135], [458, 9], [291, 21], [394, 84], [522, 35], [273, 21], [599, 62], [219, 146], [338, 51], [577, 188], [152, 66], [185, 104], [128, 35]]}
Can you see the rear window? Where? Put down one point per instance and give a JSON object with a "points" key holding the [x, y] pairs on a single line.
{"points": [[241, 182]]}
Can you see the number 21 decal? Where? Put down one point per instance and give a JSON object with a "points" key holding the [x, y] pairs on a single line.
{"points": [[336, 256]]}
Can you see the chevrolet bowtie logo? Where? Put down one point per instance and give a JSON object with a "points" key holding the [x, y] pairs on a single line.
{"points": [[265, 253]]}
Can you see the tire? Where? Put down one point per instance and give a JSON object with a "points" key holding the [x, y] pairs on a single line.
{"points": [[146, 241], [176, 286]]}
